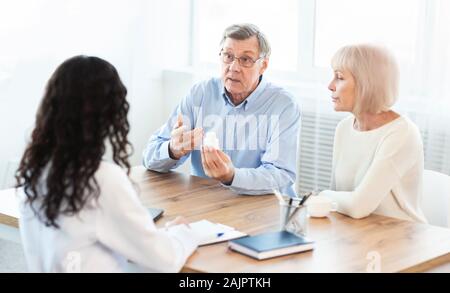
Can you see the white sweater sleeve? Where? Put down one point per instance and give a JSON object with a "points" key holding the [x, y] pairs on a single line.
{"points": [[394, 157], [125, 227]]}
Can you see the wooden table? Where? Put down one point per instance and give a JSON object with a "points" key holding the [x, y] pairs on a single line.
{"points": [[342, 244], [9, 212]]}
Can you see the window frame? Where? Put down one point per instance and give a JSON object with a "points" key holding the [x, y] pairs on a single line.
{"points": [[306, 74]]}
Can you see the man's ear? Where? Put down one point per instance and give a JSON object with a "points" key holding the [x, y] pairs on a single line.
{"points": [[265, 64]]}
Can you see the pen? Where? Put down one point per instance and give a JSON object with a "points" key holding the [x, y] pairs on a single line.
{"points": [[293, 214], [288, 213], [302, 201], [305, 197]]}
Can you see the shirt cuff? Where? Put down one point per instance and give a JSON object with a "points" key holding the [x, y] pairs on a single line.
{"points": [[164, 152], [240, 184], [244, 184], [165, 157], [238, 181]]}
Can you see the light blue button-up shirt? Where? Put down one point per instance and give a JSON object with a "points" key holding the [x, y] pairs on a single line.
{"points": [[260, 135]]}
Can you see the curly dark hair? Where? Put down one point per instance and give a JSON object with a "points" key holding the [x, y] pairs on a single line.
{"points": [[84, 104]]}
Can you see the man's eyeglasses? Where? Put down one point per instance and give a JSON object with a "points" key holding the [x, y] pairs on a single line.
{"points": [[244, 61]]}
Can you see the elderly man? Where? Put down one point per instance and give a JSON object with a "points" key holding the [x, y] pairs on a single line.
{"points": [[256, 123]]}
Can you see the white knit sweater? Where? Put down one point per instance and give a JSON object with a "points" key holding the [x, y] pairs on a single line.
{"points": [[378, 171]]}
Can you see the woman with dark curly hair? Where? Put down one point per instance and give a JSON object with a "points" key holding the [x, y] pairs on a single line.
{"points": [[78, 212]]}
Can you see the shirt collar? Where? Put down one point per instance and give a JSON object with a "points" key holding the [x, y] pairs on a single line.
{"points": [[250, 99]]}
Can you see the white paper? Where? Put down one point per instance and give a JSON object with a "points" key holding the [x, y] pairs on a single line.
{"points": [[209, 232]]}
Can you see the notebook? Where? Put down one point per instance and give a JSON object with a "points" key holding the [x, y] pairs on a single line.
{"points": [[210, 232], [271, 244]]}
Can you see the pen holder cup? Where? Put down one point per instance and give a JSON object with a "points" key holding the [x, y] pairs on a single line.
{"points": [[294, 218]]}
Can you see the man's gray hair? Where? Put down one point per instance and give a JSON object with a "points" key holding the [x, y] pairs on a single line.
{"points": [[245, 31]]}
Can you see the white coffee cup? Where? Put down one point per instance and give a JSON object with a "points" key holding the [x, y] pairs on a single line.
{"points": [[320, 206]]}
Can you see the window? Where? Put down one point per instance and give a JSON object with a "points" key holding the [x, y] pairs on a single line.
{"points": [[339, 23], [279, 22], [304, 35]]}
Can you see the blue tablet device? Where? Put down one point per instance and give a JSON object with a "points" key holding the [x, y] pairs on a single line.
{"points": [[156, 213]]}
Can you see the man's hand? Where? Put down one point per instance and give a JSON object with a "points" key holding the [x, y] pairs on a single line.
{"points": [[217, 165], [183, 142]]}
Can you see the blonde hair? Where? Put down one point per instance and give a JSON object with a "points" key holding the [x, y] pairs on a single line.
{"points": [[376, 75]]}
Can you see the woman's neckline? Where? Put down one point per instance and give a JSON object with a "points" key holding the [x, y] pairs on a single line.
{"points": [[398, 118]]}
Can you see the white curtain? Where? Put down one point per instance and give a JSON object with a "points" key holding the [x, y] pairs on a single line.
{"points": [[435, 85]]}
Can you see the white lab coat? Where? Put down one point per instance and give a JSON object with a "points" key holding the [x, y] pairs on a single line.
{"points": [[107, 235]]}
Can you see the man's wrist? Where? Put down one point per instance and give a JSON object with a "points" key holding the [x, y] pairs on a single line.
{"points": [[171, 154], [228, 180]]}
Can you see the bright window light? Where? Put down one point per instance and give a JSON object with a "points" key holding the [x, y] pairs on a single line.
{"points": [[394, 24], [278, 22]]}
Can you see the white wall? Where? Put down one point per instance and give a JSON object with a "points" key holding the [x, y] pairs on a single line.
{"points": [[139, 37]]}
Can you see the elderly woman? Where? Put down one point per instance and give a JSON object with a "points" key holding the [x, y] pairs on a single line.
{"points": [[378, 154]]}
